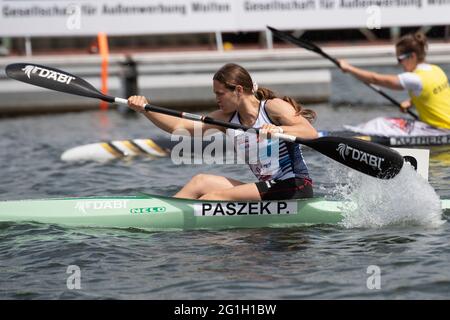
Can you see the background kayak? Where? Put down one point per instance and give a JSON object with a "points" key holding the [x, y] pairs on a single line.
{"points": [[396, 132]]}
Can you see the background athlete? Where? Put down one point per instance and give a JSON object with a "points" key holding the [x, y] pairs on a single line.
{"points": [[427, 84]]}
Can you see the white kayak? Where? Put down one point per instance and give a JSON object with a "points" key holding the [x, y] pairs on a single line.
{"points": [[109, 150], [395, 132], [396, 127]]}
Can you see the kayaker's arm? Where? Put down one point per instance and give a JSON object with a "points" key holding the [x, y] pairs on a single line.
{"points": [[170, 123], [285, 116], [386, 80]]}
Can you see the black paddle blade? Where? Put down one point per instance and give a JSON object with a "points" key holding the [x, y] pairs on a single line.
{"points": [[302, 43], [290, 38], [366, 157], [54, 79]]}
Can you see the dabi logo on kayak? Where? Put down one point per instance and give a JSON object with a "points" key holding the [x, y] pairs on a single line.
{"points": [[48, 74], [358, 155], [148, 210], [83, 206]]}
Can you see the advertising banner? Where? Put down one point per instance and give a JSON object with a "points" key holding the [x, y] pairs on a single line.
{"points": [[120, 17]]}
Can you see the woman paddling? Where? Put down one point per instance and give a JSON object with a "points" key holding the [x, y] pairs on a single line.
{"points": [[241, 102], [427, 84]]}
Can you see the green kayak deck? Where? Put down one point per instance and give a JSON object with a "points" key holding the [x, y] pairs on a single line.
{"points": [[163, 213]]}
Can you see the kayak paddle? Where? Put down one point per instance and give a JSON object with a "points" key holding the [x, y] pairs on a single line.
{"points": [[282, 35], [369, 158]]}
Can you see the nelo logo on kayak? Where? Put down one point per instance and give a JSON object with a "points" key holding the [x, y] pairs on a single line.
{"points": [[245, 208], [358, 155], [48, 74], [100, 205], [148, 210]]}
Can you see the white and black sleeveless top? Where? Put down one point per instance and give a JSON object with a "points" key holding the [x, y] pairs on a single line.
{"points": [[269, 159]]}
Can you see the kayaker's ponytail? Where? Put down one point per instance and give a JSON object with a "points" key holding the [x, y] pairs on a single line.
{"points": [[231, 75], [416, 43], [266, 94]]}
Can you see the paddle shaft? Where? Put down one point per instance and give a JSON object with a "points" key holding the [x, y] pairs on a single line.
{"points": [[209, 120], [312, 47]]}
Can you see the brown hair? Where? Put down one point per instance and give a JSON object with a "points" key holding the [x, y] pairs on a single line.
{"points": [[416, 43], [232, 75]]}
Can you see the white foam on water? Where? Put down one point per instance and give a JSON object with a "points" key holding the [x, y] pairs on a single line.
{"points": [[407, 199]]}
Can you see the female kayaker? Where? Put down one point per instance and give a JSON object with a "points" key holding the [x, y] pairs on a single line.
{"points": [[426, 84], [241, 102]]}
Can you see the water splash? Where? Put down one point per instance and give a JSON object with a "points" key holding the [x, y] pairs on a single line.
{"points": [[408, 199]]}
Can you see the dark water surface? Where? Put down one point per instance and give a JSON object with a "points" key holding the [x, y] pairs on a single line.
{"points": [[325, 262]]}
